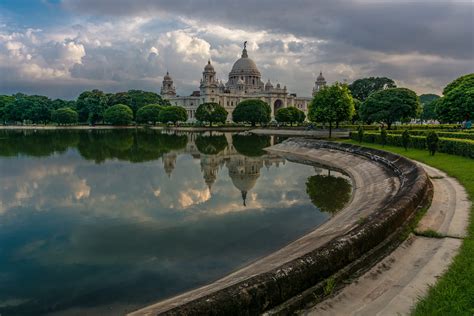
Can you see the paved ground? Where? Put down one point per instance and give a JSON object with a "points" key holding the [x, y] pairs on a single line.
{"points": [[393, 286], [299, 132]]}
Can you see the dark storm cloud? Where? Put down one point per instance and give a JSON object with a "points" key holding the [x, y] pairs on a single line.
{"points": [[442, 28]]}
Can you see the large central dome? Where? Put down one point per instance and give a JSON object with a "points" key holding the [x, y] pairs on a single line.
{"points": [[244, 66], [244, 76]]}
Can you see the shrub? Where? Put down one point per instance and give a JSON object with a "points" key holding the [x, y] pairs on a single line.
{"points": [[432, 141], [383, 136], [252, 111], [360, 134], [405, 139], [212, 113], [119, 114]]}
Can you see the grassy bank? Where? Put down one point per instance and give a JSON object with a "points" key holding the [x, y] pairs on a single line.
{"points": [[453, 294]]}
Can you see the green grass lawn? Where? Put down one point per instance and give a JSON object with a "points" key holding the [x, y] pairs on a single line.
{"points": [[453, 294]]}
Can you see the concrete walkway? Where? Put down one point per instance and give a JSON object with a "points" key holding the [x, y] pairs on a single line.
{"points": [[393, 286], [317, 133]]}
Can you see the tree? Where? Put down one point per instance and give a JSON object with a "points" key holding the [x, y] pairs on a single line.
{"points": [[428, 104], [59, 103], [136, 99], [90, 106], [362, 88], [5, 100], [332, 104], [149, 113], [119, 114], [64, 116], [457, 103], [252, 111], [173, 114], [33, 108], [357, 106], [290, 115], [211, 112], [390, 105], [328, 193]]}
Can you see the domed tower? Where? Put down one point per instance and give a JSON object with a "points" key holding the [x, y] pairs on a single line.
{"points": [[319, 84], [268, 86], [167, 88], [245, 70], [209, 83]]}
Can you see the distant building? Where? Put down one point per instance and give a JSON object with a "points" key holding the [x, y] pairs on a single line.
{"points": [[245, 82]]}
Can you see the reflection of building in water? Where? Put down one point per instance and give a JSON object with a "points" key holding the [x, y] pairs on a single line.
{"points": [[169, 163], [244, 171]]}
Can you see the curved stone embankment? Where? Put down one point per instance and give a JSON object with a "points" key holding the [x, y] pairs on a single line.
{"points": [[387, 191]]}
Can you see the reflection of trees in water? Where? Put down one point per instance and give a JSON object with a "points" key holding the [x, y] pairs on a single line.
{"points": [[36, 143], [129, 145], [251, 145], [328, 193], [211, 145], [97, 145]]}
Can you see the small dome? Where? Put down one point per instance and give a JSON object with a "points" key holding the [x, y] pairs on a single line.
{"points": [[209, 67], [268, 85], [167, 76], [320, 77]]}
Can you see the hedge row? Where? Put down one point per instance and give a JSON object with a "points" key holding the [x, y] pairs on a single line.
{"points": [[403, 127], [458, 135], [459, 147]]}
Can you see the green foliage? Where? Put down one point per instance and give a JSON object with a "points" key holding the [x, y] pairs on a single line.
{"points": [[5, 101], [360, 133], [329, 286], [250, 145], [173, 114], [136, 99], [149, 113], [322, 189], [362, 88], [332, 104], [432, 141], [30, 108], [64, 116], [383, 136], [460, 147], [252, 111], [405, 139], [211, 145], [91, 105], [59, 103], [457, 104], [212, 113], [428, 104], [390, 105], [357, 106], [290, 115], [119, 114]]}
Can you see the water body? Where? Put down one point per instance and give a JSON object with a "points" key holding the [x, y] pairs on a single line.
{"points": [[105, 222]]}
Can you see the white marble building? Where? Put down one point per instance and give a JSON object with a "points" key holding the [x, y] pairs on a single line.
{"points": [[245, 82]]}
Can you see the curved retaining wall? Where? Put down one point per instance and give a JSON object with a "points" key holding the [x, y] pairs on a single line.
{"points": [[338, 258]]}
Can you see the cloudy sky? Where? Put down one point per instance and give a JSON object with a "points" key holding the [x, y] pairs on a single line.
{"points": [[62, 47]]}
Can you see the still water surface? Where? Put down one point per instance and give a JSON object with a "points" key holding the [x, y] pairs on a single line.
{"points": [[105, 222]]}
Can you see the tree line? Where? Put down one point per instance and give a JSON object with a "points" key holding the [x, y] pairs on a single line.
{"points": [[369, 100]]}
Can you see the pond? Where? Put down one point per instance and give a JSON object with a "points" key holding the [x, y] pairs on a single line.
{"points": [[107, 221]]}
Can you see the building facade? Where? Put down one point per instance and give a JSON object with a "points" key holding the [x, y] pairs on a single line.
{"points": [[245, 82]]}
